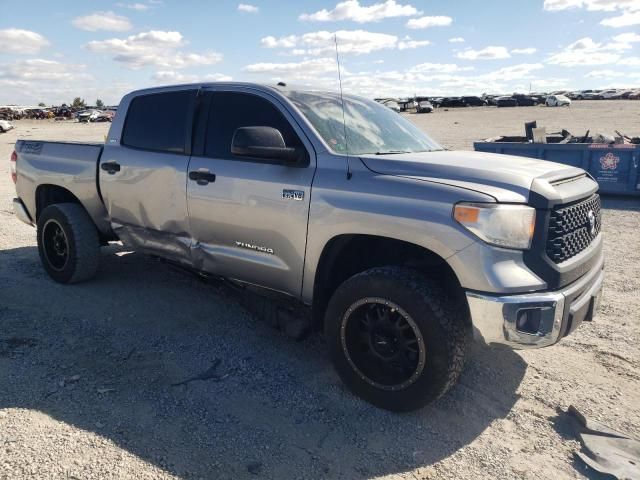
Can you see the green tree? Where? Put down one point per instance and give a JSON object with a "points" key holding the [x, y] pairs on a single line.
{"points": [[99, 104], [78, 103], [41, 104]]}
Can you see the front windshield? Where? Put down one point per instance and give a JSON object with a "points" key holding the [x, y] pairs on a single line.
{"points": [[371, 128]]}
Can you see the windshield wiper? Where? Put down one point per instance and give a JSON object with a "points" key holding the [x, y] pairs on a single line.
{"points": [[391, 152]]}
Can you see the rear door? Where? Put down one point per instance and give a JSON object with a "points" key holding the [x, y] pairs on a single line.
{"points": [[249, 220], [143, 174]]}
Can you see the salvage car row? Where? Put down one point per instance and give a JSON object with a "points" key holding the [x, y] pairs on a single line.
{"points": [[553, 99], [64, 112]]}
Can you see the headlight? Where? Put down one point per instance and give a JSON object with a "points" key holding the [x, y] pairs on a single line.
{"points": [[508, 226]]}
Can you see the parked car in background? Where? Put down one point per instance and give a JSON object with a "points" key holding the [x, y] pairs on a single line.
{"points": [[5, 126], [587, 95], [424, 107], [451, 102], [525, 100], [473, 101], [610, 94], [558, 101], [88, 115], [506, 101], [406, 104], [392, 104]]}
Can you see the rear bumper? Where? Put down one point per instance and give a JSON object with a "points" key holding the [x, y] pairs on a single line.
{"points": [[535, 320], [21, 212]]}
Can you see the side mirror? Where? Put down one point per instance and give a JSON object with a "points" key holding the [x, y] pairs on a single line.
{"points": [[263, 142]]}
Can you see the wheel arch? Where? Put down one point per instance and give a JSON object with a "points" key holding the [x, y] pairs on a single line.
{"points": [[348, 254], [49, 194]]}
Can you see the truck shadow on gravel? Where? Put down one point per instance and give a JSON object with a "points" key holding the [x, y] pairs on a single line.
{"points": [[103, 357]]}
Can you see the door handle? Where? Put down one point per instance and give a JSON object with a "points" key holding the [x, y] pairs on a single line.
{"points": [[110, 167], [203, 177]]}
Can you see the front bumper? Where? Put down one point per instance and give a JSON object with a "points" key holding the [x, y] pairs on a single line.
{"points": [[21, 212], [535, 320]]}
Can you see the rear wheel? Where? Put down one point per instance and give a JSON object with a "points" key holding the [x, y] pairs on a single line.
{"points": [[395, 338], [68, 243]]}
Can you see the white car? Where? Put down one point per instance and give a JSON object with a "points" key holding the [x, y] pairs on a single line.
{"points": [[609, 94], [88, 115], [5, 126], [557, 101]]}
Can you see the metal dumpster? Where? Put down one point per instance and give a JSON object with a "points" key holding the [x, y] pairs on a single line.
{"points": [[615, 166]]}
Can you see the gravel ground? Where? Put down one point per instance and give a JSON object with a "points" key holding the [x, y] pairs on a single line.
{"points": [[87, 370]]}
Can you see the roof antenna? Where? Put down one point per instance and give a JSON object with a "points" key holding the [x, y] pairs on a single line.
{"points": [[344, 121]]}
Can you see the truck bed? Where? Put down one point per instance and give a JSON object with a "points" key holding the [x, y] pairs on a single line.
{"points": [[69, 165]]}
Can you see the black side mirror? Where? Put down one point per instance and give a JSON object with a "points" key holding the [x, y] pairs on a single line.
{"points": [[263, 142]]}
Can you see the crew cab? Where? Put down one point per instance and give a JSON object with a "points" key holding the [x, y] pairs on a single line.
{"points": [[397, 249]]}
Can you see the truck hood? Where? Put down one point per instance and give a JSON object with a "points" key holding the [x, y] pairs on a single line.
{"points": [[507, 178]]}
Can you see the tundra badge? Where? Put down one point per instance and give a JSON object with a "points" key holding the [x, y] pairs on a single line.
{"points": [[257, 248]]}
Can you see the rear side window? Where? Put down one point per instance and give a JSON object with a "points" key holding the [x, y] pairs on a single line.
{"points": [[230, 111], [158, 121]]}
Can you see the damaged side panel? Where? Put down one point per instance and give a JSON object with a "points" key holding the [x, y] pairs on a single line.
{"points": [[146, 200]]}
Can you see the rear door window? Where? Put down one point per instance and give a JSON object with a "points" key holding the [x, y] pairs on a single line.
{"points": [[230, 111], [159, 121]]}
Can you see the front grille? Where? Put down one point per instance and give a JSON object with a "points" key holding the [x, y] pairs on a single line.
{"points": [[570, 230]]}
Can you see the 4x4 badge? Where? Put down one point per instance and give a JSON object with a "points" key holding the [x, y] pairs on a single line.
{"points": [[293, 194]]}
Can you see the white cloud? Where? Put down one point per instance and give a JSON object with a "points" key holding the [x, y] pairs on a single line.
{"points": [[456, 40], [15, 40], [408, 44], [171, 76], [352, 10], [108, 21], [513, 72], [630, 62], [630, 10], [427, 22], [592, 5], [24, 72], [139, 7], [355, 42], [586, 51], [487, 53], [629, 37], [155, 48], [524, 51], [425, 78], [246, 8], [604, 74], [625, 20], [306, 69], [439, 68]]}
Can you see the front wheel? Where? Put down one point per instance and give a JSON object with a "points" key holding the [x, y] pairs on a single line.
{"points": [[395, 337], [68, 243]]}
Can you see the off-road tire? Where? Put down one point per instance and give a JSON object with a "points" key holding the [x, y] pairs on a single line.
{"points": [[438, 319], [82, 240]]}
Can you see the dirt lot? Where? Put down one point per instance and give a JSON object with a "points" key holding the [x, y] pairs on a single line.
{"points": [[87, 370]]}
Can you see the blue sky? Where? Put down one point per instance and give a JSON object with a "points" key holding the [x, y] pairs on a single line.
{"points": [[53, 51]]}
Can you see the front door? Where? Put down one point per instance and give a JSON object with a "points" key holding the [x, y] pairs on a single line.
{"points": [[248, 217]]}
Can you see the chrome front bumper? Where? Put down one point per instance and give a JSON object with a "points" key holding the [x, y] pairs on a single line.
{"points": [[535, 320], [21, 212]]}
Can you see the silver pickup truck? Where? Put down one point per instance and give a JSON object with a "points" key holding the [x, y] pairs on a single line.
{"points": [[398, 249]]}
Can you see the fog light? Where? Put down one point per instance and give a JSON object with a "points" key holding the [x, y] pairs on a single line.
{"points": [[528, 321]]}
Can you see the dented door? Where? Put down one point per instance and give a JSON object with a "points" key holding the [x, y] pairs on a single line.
{"points": [[143, 174]]}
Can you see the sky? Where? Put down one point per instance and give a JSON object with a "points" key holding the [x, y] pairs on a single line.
{"points": [[53, 51]]}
